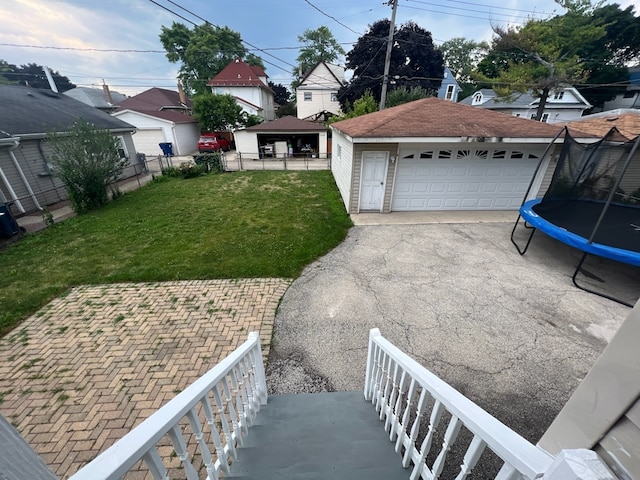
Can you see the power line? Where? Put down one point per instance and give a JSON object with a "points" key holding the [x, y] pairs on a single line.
{"points": [[453, 14], [468, 9], [84, 49], [333, 18]]}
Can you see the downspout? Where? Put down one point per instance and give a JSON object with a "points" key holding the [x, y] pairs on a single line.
{"points": [[23, 177], [5, 180]]}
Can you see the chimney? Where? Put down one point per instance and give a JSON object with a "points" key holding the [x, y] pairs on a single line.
{"points": [[107, 93], [183, 98]]}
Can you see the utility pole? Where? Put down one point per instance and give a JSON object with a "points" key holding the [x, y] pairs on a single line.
{"points": [[387, 58]]}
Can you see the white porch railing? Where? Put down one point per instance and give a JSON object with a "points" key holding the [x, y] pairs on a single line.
{"points": [[215, 411], [400, 388]]}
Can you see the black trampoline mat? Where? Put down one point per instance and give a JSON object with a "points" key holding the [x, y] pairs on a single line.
{"points": [[620, 227]]}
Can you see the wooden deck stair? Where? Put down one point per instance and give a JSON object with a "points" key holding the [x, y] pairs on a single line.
{"points": [[318, 436]]}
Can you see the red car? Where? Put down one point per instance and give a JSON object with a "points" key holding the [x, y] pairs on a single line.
{"points": [[213, 143]]}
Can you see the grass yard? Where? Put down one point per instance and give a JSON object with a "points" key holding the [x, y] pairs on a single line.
{"points": [[234, 225]]}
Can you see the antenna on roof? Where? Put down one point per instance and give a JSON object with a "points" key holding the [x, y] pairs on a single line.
{"points": [[52, 84]]}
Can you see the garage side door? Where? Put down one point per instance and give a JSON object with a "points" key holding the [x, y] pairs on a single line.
{"points": [[146, 141], [463, 179]]}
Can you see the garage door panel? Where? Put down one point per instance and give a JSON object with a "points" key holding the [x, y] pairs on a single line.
{"points": [[470, 182]]}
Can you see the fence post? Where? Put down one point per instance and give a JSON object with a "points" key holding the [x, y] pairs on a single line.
{"points": [[374, 332], [578, 464]]}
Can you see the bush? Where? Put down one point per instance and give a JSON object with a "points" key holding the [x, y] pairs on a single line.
{"points": [[87, 160], [191, 170], [212, 162]]}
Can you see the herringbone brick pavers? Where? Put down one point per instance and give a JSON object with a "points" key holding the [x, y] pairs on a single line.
{"points": [[91, 365]]}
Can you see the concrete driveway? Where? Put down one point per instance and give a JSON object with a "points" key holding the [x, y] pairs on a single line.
{"points": [[510, 332]]}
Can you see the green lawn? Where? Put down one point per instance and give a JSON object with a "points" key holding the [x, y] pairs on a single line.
{"points": [[233, 225]]}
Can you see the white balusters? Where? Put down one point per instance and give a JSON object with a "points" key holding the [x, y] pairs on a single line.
{"points": [[238, 387], [405, 417], [471, 458], [398, 406], [434, 421], [391, 414], [449, 437]]}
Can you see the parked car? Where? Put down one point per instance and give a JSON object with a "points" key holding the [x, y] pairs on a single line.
{"points": [[213, 143]]}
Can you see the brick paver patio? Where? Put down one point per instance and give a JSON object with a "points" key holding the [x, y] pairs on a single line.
{"points": [[83, 371]]}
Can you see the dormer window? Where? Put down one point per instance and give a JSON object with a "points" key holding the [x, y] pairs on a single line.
{"points": [[558, 95], [477, 98]]}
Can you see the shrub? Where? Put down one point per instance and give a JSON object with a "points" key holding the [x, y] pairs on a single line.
{"points": [[191, 170], [212, 162], [87, 160]]}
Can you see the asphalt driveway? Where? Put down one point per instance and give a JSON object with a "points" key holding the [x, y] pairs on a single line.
{"points": [[510, 332]]}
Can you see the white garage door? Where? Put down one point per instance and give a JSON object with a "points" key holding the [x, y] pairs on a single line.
{"points": [[146, 141], [463, 179]]}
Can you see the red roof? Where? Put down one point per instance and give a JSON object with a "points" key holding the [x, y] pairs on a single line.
{"points": [[239, 74], [153, 99], [432, 117]]}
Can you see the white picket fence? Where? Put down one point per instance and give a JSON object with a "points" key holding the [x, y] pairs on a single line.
{"points": [[216, 409]]}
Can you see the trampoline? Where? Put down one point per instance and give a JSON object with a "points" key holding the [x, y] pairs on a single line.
{"points": [[592, 203]]}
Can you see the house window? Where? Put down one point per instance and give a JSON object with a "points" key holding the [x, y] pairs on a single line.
{"points": [[545, 117], [307, 96], [334, 97], [339, 151], [629, 94], [449, 94], [533, 116], [122, 149], [477, 98], [558, 95]]}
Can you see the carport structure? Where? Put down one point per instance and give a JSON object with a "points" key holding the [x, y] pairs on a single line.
{"points": [[273, 139], [437, 155]]}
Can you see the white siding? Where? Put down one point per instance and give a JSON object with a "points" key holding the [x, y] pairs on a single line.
{"points": [[187, 135], [254, 95], [246, 144], [342, 165], [321, 83]]}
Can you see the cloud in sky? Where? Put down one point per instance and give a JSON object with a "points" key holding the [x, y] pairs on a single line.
{"points": [[272, 25]]}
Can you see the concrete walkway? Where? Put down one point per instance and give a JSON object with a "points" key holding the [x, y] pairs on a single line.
{"points": [[87, 368]]}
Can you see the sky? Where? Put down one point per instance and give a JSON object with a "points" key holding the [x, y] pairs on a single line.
{"points": [[117, 41]]}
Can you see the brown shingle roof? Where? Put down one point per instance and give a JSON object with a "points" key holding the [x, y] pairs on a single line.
{"points": [[626, 121], [432, 117], [152, 99], [287, 124]]}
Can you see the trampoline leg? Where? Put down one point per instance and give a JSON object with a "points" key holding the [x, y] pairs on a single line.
{"points": [[533, 230], [600, 294]]}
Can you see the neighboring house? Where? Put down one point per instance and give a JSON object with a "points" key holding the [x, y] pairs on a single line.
{"points": [[626, 121], [248, 84], [564, 105], [161, 116], [317, 93], [432, 154], [273, 139], [100, 98], [449, 88], [26, 117], [630, 98]]}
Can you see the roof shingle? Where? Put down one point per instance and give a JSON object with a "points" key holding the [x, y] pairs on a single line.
{"points": [[432, 117]]}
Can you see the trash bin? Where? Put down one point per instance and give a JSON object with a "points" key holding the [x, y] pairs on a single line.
{"points": [[8, 226], [167, 149]]}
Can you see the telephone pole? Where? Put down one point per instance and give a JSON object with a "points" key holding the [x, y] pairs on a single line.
{"points": [[387, 58]]}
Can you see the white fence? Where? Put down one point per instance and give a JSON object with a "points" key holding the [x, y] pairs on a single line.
{"points": [[214, 411]]}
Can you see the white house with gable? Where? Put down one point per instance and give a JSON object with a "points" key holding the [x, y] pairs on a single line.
{"points": [[562, 105], [317, 94]]}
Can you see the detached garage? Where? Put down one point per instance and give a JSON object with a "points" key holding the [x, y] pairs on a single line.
{"points": [[433, 154]]}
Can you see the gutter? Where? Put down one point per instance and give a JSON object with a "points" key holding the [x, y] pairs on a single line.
{"points": [[12, 143]]}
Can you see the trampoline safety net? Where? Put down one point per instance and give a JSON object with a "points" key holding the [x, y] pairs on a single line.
{"points": [[595, 191]]}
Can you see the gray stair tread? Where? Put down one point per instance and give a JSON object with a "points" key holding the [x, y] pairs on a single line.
{"points": [[314, 436]]}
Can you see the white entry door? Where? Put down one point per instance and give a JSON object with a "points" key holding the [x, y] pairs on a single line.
{"points": [[374, 170]]}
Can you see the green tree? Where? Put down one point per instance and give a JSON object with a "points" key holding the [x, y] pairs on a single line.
{"points": [[402, 95], [543, 55], [462, 57], [203, 52], [415, 62], [318, 45], [88, 161], [33, 75], [281, 94], [361, 106], [217, 113]]}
